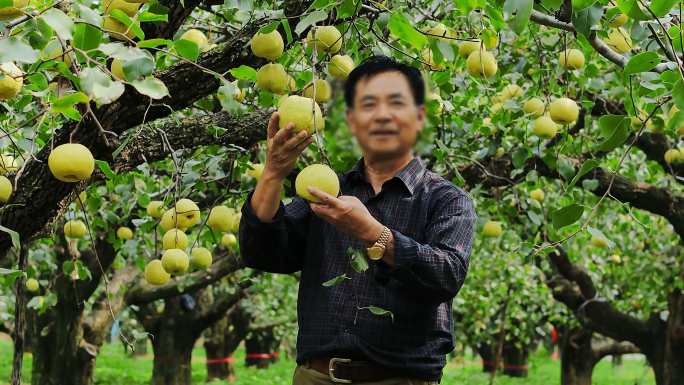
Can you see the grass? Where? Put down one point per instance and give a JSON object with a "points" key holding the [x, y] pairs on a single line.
{"points": [[114, 368]]}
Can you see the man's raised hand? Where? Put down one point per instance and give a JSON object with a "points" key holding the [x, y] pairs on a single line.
{"points": [[283, 147]]}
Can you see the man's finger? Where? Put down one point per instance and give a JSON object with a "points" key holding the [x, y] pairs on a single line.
{"points": [[303, 145], [284, 133], [273, 125], [326, 198], [292, 143]]}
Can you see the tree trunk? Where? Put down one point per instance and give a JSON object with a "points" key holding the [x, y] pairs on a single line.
{"points": [[487, 353], [140, 349], [672, 367], [257, 349], [516, 359], [219, 362], [577, 359]]}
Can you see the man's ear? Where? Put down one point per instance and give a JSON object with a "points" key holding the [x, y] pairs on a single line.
{"points": [[420, 123], [350, 121]]}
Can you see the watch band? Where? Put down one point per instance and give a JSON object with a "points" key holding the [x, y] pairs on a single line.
{"points": [[384, 237]]}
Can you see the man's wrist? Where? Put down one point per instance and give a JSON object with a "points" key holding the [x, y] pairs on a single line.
{"points": [[373, 234]]}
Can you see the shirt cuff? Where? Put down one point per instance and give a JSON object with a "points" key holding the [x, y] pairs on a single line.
{"points": [[405, 252], [250, 219]]}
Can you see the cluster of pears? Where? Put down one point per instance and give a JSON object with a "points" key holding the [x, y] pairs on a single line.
{"points": [[618, 38]]}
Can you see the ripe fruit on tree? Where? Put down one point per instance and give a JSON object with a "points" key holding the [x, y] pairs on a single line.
{"points": [[175, 239], [673, 156], [82, 197], [619, 40], [258, 169], [619, 20], [572, 59], [175, 261], [118, 30], [129, 8], [195, 36], [13, 80], [563, 111], [71, 162], [439, 30], [329, 39], [75, 229], [229, 240], [670, 116], [7, 164], [299, 110], [5, 189], [468, 47], [537, 195], [155, 209], [117, 70], [322, 91], [168, 221], [58, 55], [236, 222], [598, 242], [544, 127], [500, 151], [492, 229], [155, 273], [139, 1], [272, 78], [202, 258], [428, 57], [481, 64], [340, 66], [268, 45], [208, 47], [615, 259], [319, 176], [14, 10], [434, 96], [220, 219], [188, 213], [32, 284], [291, 84], [124, 233], [511, 91], [534, 107]]}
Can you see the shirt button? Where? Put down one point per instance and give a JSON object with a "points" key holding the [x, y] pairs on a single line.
{"points": [[353, 296], [346, 329]]}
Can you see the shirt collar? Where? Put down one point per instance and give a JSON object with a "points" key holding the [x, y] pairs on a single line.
{"points": [[410, 176]]}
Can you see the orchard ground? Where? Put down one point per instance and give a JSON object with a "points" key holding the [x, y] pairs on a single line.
{"points": [[114, 368]]}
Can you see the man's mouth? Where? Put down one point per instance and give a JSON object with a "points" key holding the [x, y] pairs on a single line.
{"points": [[383, 132]]}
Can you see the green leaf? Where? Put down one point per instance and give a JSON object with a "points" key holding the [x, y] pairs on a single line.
{"points": [[144, 200], [149, 16], [615, 129], [566, 168], [629, 210], [567, 215], [82, 271], [578, 5], [642, 62], [336, 280], [107, 94], [586, 167], [466, 6], [590, 184], [68, 267], [401, 27], [520, 157], [678, 94], [11, 273], [104, 166], [270, 28], [632, 9], [586, 18], [534, 217], [135, 69], [244, 72], [60, 22], [662, 7], [676, 122], [13, 234], [88, 15], [62, 104], [495, 18], [153, 43], [349, 7], [86, 38], [151, 87], [358, 259], [288, 32], [522, 9], [599, 233], [310, 19], [187, 49], [12, 49], [382, 312]]}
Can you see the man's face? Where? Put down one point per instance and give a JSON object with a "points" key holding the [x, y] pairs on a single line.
{"points": [[385, 118]]}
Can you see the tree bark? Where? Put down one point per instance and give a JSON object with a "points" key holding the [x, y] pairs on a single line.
{"points": [[515, 359], [577, 360], [258, 349], [221, 340], [487, 352]]}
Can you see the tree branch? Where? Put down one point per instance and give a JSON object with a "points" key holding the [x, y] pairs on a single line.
{"points": [[613, 349]]}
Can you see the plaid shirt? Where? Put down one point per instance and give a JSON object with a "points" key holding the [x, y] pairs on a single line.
{"points": [[432, 221]]}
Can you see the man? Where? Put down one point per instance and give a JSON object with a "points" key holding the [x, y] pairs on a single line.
{"points": [[418, 225]]}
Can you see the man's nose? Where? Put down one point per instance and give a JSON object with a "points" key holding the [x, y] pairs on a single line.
{"points": [[383, 113]]}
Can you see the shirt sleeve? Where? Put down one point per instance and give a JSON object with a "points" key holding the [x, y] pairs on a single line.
{"points": [[438, 267], [275, 246]]}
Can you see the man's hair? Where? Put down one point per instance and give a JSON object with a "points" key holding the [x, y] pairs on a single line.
{"points": [[375, 65]]}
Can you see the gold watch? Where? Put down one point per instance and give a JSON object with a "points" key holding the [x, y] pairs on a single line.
{"points": [[376, 251]]}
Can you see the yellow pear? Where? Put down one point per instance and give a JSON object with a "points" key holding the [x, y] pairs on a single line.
{"points": [[82, 197], [468, 47], [208, 47], [168, 221], [329, 39], [319, 176], [534, 107], [619, 20], [563, 111], [256, 173], [229, 240], [118, 30], [492, 229], [236, 222], [188, 213], [12, 81], [129, 9], [220, 219], [427, 56], [5, 189], [272, 78], [268, 45], [195, 36], [124, 233], [299, 110], [439, 30], [615, 259], [139, 1], [155, 273], [58, 55], [238, 95], [117, 70], [13, 11], [490, 38], [572, 59], [598, 242], [8, 164], [202, 258], [175, 239], [291, 84], [537, 195], [75, 229], [481, 64], [281, 100], [343, 65], [32, 284], [544, 127], [511, 91], [673, 110], [322, 91], [619, 40], [673, 156], [500, 151], [156, 209], [71, 162], [175, 261]]}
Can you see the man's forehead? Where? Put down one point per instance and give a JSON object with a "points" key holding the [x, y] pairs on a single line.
{"points": [[383, 84]]}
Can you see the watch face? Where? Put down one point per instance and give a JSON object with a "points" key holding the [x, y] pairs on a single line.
{"points": [[375, 253]]}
